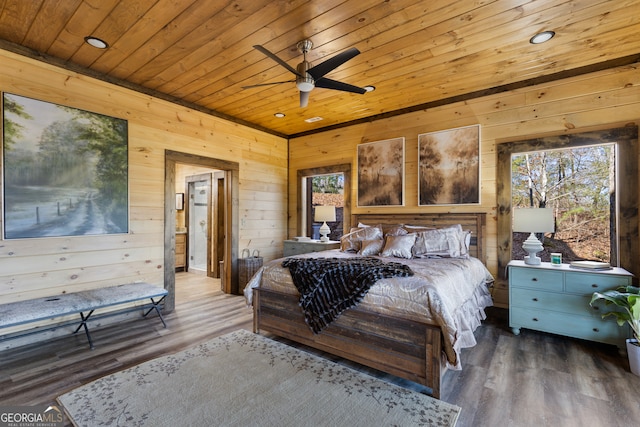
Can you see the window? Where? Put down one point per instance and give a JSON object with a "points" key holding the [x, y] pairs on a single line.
{"points": [[579, 184], [324, 186], [326, 190], [625, 140]]}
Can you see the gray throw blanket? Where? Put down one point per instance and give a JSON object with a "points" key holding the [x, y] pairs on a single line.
{"points": [[329, 286]]}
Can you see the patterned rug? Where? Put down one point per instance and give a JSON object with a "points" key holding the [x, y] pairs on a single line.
{"points": [[244, 379]]}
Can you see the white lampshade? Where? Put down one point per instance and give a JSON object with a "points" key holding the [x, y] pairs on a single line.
{"points": [[533, 220], [325, 213]]}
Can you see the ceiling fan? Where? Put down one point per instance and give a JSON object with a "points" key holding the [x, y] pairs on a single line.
{"points": [[308, 77]]}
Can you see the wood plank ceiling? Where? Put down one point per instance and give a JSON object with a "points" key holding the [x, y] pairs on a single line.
{"points": [[416, 53]]}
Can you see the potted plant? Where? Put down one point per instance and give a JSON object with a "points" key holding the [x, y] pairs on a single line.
{"points": [[627, 299]]}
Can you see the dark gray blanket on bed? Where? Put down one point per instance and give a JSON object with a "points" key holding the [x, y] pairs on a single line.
{"points": [[329, 286]]}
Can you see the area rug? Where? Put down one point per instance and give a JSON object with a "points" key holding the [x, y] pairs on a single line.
{"points": [[245, 379]]}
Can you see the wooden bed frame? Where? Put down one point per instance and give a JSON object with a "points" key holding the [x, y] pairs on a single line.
{"points": [[408, 349]]}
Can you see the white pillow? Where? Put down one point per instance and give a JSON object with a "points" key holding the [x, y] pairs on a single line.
{"points": [[450, 242], [352, 242], [370, 247], [399, 246]]}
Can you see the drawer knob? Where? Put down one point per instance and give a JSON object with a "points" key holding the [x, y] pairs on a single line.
{"points": [[596, 308], [596, 330], [594, 285], [534, 299], [535, 319], [534, 279]]}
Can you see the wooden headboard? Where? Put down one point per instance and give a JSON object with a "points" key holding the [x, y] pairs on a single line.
{"points": [[475, 222]]}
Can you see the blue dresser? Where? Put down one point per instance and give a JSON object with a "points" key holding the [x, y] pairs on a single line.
{"points": [[556, 299]]}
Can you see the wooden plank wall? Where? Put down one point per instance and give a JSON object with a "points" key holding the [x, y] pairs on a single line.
{"points": [[41, 267], [599, 100]]}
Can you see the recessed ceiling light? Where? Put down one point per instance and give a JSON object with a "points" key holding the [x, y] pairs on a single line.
{"points": [[542, 37], [369, 88], [279, 115], [313, 119], [96, 42]]}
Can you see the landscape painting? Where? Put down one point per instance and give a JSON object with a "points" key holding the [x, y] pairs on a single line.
{"points": [[449, 167], [381, 173], [64, 169]]}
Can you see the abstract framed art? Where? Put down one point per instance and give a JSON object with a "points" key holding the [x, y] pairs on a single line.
{"points": [[381, 173], [65, 171], [449, 167]]}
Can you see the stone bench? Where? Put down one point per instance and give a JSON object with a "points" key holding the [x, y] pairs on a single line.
{"points": [[83, 303]]}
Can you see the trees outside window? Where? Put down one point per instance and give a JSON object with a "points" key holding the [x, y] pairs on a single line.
{"points": [[579, 184]]}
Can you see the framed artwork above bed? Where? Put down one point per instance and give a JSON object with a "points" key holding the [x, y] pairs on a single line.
{"points": [[449, 167], [381, 173]]}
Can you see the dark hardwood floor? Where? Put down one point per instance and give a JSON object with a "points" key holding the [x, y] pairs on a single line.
{"points": [[534, 379]]}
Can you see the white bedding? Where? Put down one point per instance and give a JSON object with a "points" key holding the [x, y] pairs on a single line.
{"points": [[449, 292]]}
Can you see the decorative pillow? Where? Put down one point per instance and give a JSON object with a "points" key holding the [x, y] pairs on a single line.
{"points": [[393, 230], [387, 229], [399, 246], [371, 247], [445, 242], [351, 242]]}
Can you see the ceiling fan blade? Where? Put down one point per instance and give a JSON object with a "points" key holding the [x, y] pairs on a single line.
{"points": [[266, 84], [278, 60], [324, 67], [336, 85], [304, 99]]}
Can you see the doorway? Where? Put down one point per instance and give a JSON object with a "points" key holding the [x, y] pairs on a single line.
{"points": [[204, 221], [226, 182], [199, 224]]}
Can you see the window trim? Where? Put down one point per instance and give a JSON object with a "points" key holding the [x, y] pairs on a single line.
{"points": [[627, 213], [345, 169]]}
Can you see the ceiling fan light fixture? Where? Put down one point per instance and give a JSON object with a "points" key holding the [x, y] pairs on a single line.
{"points": [[96, 42], [308, 76], [279, 115], [542, 37], [305, 85], [369, 88]]}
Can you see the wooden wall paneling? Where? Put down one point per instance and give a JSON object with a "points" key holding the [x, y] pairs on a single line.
{"points": [[40, 267], [600, 100]]}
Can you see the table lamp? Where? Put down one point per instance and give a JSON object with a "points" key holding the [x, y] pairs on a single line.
{"points": [[324, 214], [533, 220]]}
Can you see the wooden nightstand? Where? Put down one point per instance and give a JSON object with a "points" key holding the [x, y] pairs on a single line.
{"points": [[556, 300], [294, 247]]}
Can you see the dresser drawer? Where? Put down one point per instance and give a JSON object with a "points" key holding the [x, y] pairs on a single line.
{"points": [[585, 283], [556, 300], [536, 278], [296, 249], [543, 300], [583, 327]]}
